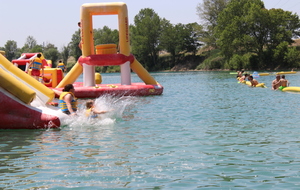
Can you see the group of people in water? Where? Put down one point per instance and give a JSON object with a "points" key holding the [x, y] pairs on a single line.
{"points": [[68, 103], [67, 99], [278, 83], [243, 78]]}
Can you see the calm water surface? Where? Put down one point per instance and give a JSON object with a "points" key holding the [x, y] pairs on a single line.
{"points": [[205, 132]]}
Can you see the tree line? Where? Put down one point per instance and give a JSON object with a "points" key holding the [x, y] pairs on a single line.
{"points": [[234, 34], [149, 35], [244, 34]]}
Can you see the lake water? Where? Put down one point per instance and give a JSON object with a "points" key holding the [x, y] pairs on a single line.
{"points": [[205, 132]]}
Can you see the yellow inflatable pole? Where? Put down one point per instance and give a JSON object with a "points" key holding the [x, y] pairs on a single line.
{"points": [[142, 73], [71, 77]]}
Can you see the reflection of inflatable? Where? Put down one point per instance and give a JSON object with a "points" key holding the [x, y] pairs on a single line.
{"points": [[106, 55], [17, 90]]}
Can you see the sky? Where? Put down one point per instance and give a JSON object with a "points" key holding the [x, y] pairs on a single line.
{"points": [[55, 21]]}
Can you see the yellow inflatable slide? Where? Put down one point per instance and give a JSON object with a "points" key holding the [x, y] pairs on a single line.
{"points": [[21, 85]]}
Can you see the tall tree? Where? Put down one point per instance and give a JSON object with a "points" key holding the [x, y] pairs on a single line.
{"points": [[245, 26], [283, 28], [65, 53], [31, 46], [75, 51], [50, 52], [208, 11], [145, 37], [106, 36], [192, 42], [31, 42], [179, 38], [11, 49]]}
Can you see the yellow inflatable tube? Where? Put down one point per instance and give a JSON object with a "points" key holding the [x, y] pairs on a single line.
{"points": [[291, 89], [44, 93], [12, 85], [263, 74], [286, 72], [258, 85]]}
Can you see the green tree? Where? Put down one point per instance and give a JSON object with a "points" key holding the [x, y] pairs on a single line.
{"points": [[168, 41], [208, 12], [106, 36], [65, 53], [192, 42], [292, 57], [11, 50], [31, 42], [245, 26], [31, 46], [283, 26], [75, 51], [37, 48], [178, 39], [145, 38], [51, 53]]}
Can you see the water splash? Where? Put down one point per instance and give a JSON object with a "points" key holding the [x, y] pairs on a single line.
{"points": [[116, 106]]}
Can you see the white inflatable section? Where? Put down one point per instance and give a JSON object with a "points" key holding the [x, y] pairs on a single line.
{"points": [[125, 74], [88, 75]]}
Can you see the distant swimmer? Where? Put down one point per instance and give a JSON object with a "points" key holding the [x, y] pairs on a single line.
{"points": [[240, 73], [243, 78], [61, 65], [254, 82], [276, 83]]}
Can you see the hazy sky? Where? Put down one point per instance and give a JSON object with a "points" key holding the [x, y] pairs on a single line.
{"points": [[55, 21]]}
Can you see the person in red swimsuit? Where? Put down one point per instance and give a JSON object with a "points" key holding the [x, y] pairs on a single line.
{"points": [[36, 65]]}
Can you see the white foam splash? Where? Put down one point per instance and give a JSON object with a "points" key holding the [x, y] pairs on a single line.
{"points": [[114, 105]]}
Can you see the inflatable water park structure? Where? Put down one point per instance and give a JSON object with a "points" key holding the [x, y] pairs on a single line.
{"points": [[107, 55], [19, 91]]}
